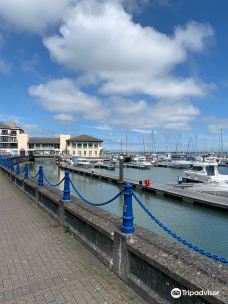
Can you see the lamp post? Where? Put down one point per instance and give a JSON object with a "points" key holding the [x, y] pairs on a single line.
{"points": [[121, 161]]}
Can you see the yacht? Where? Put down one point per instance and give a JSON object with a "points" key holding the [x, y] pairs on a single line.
{"points": [[140, 161], [181, 161], [81, 162], [205, 172], [215, 188]]}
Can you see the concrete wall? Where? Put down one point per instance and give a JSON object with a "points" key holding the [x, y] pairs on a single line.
{"points": [[150, 264], [63, 144], [22, 141]]}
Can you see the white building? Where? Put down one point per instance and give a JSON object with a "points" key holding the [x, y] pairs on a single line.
{"points": [[9, 138], [85, 146]]}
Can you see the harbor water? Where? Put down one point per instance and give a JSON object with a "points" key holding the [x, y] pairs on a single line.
{"points": [[202, 226]]}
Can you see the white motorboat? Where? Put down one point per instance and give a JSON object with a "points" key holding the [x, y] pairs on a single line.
{"points": [[141, 161], [205, 172], [215, 188], [81, 162]]}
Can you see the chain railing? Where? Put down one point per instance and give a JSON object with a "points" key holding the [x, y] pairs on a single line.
{"points": [[127, 225]]}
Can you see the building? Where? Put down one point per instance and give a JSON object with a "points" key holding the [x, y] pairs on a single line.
{"points": [[48, 145], [9, 134], [84, 146], [14, 141]]}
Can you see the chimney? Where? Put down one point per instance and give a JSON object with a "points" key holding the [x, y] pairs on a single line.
{"points": [[12, 124]]}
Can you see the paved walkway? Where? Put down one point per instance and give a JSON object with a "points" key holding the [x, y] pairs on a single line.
{"points": [[39, 263]]}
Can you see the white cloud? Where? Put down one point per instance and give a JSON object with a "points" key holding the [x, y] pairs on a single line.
{"points": [[217, 124], [33, 16], [100, 38], [5, 67], [64, 97], [64, 118]]}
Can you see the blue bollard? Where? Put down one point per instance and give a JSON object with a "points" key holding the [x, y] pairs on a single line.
{"points": [[41, 176], [128, 226], [26, 172], [18, 170], [66, 191]]}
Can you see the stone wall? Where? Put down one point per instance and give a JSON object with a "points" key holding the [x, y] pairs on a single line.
{"points": [[150, 264]]}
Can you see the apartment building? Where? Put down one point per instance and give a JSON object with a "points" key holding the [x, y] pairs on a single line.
{"points": [[85, 146], [9, 138]]}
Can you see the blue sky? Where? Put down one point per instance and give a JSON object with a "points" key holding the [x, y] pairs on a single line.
{"points": [[152, 71]]}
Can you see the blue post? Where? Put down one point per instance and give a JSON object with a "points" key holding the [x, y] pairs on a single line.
{"points": [[128, 226], [41, 177], [26, 173], [12, 166], [8, 164], [66, 191], [18, 170]]}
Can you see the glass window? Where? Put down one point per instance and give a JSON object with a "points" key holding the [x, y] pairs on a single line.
{"points": [[95, 145], [95, 152], [90, 153], [90, 145], [210, 170], [79, 145], [84, 152], [79, 152], [84, 145]]}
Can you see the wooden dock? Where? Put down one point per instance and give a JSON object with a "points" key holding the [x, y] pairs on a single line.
{"points": [[162, 190]]}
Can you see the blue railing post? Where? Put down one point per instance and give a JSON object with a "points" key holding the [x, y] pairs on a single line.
{"points": [[12, 166], [41, 177], [18, 170], [8, 164], [66, 191], [26, 173], [128, 226]]}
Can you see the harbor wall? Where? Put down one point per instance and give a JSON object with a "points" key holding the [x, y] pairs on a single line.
{"points": [[150, 264]]}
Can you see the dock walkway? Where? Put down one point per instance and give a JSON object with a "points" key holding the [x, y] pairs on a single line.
{"points": [[185, 195], [41, 264]]}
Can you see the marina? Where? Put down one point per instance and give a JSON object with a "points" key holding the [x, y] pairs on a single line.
{"points": [[176, 207]]}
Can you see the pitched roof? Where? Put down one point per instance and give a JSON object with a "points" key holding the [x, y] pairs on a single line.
{"points": [[84, 138], [44, 140]]}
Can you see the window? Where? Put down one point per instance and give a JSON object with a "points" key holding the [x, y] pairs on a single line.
{"points": [[210, 170], [4, 132], [90, 153], [79, 152], [74, 152], [90, 145], [85, 145], [74, 144], [13, 133], [84, 152], [79, 145], [95, 152], [95, 145], [4, 139]]}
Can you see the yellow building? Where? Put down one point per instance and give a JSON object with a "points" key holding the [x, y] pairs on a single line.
{"points": [[85, 146]]}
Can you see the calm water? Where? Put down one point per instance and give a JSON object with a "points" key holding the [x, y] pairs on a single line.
{"points": [[207, 228]]}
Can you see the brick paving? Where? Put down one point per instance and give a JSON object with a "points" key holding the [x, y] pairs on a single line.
{"points": [[39, 263]]}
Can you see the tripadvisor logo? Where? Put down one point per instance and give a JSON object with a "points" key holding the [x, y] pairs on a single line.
{"points": [[176, 293]]}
